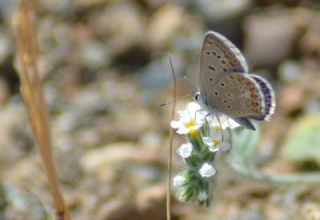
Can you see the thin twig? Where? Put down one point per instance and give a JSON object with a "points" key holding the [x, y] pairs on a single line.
{"points": [[171, 143], [32, 93]]}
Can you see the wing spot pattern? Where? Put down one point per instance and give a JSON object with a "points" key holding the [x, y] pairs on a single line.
{"points": [[228, 55], [212, 68]]}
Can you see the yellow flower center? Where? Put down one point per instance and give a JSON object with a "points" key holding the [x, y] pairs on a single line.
{"points": [[190, 124], [216, 142], [193, 132]]}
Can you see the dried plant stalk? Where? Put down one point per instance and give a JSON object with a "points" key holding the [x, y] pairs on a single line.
{"points": [[32, 93], [168, 199]]}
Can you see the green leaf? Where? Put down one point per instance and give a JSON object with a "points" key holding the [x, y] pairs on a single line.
{"points": [[244, 143], [303, 140]]}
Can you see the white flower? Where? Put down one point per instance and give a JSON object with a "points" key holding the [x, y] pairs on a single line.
{"points": [[225, 122], [218, 139], [202, 196], [207, 170], [191, 119], [182, 196], [178, 181], [212, 143], [185, 150]]}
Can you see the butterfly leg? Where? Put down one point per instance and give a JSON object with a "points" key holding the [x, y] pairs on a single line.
{"points": [[222, 137], [245, 122], [230, 133], [215, 115]]}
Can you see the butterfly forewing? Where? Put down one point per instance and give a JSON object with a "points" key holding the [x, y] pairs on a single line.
{"points": [[218, 56]]}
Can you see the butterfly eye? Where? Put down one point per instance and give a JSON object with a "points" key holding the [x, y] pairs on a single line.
{"points": [[196, 96]]}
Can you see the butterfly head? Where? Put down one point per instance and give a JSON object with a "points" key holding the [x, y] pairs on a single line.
{"points": [[196, 96]]}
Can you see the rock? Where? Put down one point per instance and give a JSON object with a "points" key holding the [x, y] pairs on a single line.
{"points": [[91, 3], [270, 37], [149, 205], [132, 122], [309, 44], [62, 6], [163, 25], [5, 46], [120, 25], [94, 55], [291, 98], [15, 132], [217, 11], [4, 91], [290, 71], [93, 160]]}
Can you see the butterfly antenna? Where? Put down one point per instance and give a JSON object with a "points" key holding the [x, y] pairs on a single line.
{"points": [[230, 133], [171, 101]]}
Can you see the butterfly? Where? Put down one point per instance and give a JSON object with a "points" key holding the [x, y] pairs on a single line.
{"points": [[227, 88]]}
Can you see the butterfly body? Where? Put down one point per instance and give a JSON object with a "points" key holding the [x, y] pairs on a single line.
{"points": [[226, 87]]}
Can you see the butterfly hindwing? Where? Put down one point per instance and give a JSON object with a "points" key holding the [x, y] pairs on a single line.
{"points": [[237, 95], [268, 96]]}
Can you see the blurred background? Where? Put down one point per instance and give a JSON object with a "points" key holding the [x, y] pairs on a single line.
{"points": [[105, 69]]}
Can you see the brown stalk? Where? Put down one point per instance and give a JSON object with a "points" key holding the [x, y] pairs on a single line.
{"points": [[168, 202], [32, 93]]}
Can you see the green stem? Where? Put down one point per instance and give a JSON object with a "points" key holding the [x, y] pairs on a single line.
{"points": [[285, 179]]}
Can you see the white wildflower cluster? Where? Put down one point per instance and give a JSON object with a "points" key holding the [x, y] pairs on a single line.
{"points": [[206, 135]]}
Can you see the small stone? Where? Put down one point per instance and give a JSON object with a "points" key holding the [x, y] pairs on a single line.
{"points": [[291, 98], [97, 158], [163, 25], [216, 10], [270, 37]]}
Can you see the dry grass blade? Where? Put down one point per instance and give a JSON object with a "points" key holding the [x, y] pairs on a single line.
{"points": [[32, 92], [171, 144]]}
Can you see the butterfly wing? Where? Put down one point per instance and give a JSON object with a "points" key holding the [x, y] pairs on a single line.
{"points": [[218, 56], [268, 96], [237, 95]]}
